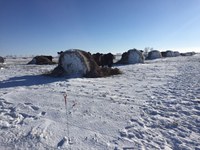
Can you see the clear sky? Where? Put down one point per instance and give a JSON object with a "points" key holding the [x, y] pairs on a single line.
{"points": [[47, 26]]}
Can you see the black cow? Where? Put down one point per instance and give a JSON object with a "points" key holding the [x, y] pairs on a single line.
{"points": [[107, 60], [59, 52], [97, 58], [104, 59]]}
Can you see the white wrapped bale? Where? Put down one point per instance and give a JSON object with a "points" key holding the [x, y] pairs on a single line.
{"points": [[133, 56], [154, 55]]}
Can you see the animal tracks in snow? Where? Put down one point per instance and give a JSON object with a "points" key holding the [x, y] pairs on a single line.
{"points": [[32, 106], [12, 115], [170, 118]]}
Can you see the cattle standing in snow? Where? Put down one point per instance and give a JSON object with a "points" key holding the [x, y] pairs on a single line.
{"points": [[107, 60], [104, 59], [133, 56], [97, 58]]}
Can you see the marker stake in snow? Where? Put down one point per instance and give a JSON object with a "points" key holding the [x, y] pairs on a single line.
{"points": [[65, 98]]}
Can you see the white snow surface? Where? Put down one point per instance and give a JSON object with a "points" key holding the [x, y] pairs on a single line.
{"points": [[155, 105]]}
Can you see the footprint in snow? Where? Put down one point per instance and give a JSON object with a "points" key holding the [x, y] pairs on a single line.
{"points": [[32, 106], [61, 143], [43, 113], [35, 108]]}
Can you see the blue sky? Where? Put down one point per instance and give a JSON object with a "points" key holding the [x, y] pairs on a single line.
{"points": [[47, 26]]}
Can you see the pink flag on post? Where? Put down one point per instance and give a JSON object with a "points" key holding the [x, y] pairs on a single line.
{"points": [[65, 97]]}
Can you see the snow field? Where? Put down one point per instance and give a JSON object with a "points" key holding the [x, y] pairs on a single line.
{"points": [[155, 105]]}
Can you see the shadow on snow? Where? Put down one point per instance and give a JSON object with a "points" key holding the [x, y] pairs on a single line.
{"points": [[28, 80]]}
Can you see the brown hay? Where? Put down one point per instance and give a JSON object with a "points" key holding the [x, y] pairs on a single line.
{"points": [[103, 72], [110, 71], [57, 72]]}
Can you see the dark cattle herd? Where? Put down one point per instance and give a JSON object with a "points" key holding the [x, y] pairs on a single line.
{"points": [[104, 59]]}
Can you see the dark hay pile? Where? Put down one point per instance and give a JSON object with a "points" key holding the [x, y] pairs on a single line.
{"points": [[103, 72], [42, 60]]}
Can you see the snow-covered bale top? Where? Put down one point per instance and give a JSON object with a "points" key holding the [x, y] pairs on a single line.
{"points": [[133, 56], [154, 54], [78, 63]]}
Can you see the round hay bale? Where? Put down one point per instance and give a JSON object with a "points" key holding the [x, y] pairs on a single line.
{"points": [[133, 56], [41, 60], [154, 55], [176, 53], [170, 53], [77, 63]]}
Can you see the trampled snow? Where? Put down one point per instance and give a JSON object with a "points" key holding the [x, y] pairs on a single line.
{"points": [[155, 105]]}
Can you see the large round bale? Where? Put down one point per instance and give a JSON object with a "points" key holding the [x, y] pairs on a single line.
{"points": [[78, 63], [1, 59], [41, 60], [176, 53], [154, 55], [170, 53], [133, 56]]}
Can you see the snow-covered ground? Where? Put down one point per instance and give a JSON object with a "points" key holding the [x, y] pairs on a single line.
{"points": [[150, 106]]}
